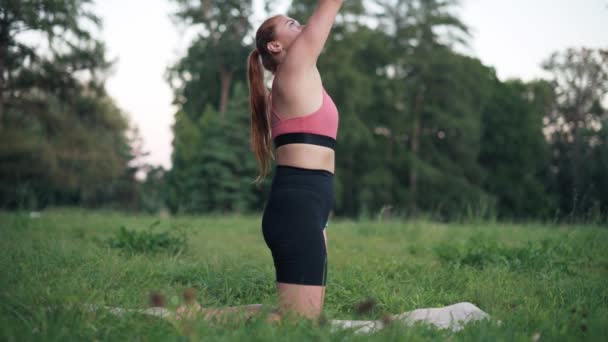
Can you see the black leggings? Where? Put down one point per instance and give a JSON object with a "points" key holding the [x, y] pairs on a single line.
{"points": [[294, 217]]}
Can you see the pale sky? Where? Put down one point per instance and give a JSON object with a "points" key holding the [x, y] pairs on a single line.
{"points": [[512, 36]]}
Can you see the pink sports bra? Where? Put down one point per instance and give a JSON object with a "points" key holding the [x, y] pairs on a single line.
{"points": [[318, 128]]}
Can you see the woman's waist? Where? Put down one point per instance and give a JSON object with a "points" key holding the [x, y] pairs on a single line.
{"points": [[306, 156]]}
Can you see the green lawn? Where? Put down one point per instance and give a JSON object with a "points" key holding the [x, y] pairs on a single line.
{"points": [[548, 281]]}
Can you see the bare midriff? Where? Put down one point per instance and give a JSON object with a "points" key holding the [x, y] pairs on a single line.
{"points": [[306, 156]]}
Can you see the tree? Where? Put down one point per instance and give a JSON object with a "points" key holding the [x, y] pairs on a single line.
{"points": [[438, 100], [580, 80], [212, 159], [514, 152], [216, 57], [213, 166], [72, 48], [62, 139]]}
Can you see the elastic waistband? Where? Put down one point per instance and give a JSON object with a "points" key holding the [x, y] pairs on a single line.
{"points": [[304, 138], [288, 169]]}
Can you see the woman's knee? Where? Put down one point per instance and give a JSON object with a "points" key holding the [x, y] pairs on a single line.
{"points": [[302, 300]]}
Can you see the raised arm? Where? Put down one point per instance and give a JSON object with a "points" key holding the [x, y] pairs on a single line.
{"points": [[307, 47]]}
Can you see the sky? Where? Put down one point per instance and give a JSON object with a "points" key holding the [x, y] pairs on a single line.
{"points": [[512, 36]]}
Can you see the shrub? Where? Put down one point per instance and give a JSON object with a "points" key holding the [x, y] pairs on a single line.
{"points": [[148, 242]]}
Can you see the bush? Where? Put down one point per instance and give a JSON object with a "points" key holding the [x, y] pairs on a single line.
{"points": [[148, 242], [480, 252]]}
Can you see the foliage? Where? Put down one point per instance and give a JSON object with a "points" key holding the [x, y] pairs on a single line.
{"points": [[425, 130], [62, 139], [147, 241], [213, 164], [575, 125], [513, 151], [482, 252]]}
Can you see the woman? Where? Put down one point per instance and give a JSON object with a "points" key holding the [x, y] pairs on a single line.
{"points": [[302, 120]]}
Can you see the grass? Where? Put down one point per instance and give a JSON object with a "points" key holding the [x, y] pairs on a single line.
{"points": [[538, 280]]}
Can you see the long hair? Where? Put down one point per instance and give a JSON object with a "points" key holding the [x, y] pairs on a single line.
{"points": [[260, 124]]}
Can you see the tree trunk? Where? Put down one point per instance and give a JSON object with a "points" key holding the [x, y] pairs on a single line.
{"points": [[226, 79], [3, 53], [415, 146], [1, 88], [576, 164], [389, 149]]}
